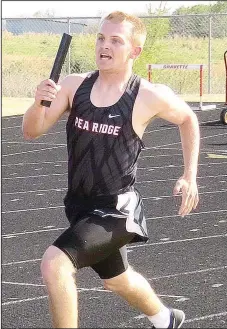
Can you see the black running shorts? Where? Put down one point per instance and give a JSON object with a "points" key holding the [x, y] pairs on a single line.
{"points": [[99, 231]]}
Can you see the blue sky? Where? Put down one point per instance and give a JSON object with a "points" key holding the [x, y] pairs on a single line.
{"points": [[86, 8]]}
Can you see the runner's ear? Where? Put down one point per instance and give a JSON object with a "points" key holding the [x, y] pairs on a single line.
{"points": [[136, 51]]}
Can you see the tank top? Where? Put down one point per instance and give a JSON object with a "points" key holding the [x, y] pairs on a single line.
{"points": [[102, 146]]}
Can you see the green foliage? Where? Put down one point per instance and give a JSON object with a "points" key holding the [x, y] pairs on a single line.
{"points": [[198, 26], [157, 30], [157, 27], [219, 7], [82, 54]]}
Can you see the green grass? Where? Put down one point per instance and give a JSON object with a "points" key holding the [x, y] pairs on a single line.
{"points": [[42, 45]]}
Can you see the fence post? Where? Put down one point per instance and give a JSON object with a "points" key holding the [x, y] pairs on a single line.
{"points": [[69, 52], [209, 55]]}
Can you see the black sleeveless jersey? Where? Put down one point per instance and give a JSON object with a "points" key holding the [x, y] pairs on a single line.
{"points": [[102, 146]]}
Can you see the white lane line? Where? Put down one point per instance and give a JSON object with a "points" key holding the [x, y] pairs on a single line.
{"points": [[46, 135], [205, 137], [24, 284], [169, 128], [159, 130], [188, 273], [178, 241], [11, 127], [33, 144], [32, 209], [55, 133], [171, 296], [93, 289], [206, 150], [178, 154], [24, 300], [202, 150], [33, 176], [38, 191], [171, 196], [180, 166], [137, 246], [192, 214], [170, 179], [23, 262], [33, 151], [14, 235], [34, 163], [205, 317]]}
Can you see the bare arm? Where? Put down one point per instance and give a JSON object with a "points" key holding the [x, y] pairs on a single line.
{"points": [[173, 109]]}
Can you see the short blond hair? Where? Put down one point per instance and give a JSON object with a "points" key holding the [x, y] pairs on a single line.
{"points": [[139, 31]]}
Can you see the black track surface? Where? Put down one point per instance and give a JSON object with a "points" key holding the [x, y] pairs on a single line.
{"points": [[185, 259]]}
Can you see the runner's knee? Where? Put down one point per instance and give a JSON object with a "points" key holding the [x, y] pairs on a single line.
{"points": [[56, 265]]}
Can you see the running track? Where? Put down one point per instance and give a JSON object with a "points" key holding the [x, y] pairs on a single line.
{"points": [[185, 259]]}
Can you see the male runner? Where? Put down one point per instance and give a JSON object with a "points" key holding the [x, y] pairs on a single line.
{"points": [[109, 109]]}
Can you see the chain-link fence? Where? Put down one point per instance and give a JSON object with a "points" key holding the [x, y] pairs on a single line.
{"points": [[30, 46]]}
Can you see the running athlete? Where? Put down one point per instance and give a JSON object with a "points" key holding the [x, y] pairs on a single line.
{"points": [[108, 111]]}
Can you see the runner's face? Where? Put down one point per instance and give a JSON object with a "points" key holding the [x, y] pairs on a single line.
{"points": [[113, 45]]}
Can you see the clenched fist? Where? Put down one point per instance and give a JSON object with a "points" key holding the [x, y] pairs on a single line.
{"points": [[46, 90]]}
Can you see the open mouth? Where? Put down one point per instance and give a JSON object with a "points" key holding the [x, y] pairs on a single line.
{"points": [[105, 56]]}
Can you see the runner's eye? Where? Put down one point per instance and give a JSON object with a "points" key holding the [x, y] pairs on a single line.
{"points": [[116, 41], [100, 38]]}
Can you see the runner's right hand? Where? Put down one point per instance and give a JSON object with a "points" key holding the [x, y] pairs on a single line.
{"points": [[46, 90]]}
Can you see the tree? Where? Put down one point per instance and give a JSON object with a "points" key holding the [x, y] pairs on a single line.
{"points": [[45, 13], [157, 27], [198, 26], [219, 7]]}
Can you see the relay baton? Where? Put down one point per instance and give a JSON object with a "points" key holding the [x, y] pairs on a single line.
{"points": [[59, 61]]}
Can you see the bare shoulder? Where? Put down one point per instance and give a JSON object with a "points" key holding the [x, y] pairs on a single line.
{"points": [[161, 101], [160, 95], [71, 83], [156, 92], [73, 80], [151, 99]]}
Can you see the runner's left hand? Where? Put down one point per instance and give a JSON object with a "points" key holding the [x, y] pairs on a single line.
{"points": [[189, 191]]}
